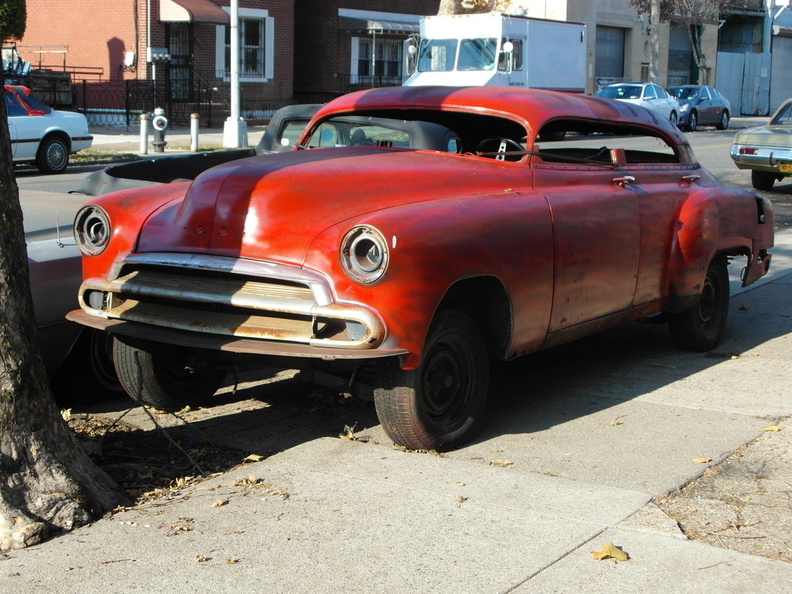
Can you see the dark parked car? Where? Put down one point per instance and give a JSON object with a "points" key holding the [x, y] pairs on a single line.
{"points": [[402, 271], [701, 106]]}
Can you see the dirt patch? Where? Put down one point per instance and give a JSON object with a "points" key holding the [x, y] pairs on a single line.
{"points": [[745, 502], [150, 464]]}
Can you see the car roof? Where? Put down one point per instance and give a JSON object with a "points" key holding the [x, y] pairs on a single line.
{"points": [[533, 108]]}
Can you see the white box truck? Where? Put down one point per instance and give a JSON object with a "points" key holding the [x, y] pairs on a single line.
{"points": [[498, 49]]}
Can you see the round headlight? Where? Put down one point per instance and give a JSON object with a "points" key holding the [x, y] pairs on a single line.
{"points": [[364, 254], [92, 230]]}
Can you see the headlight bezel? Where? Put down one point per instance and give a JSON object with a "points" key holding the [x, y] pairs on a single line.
{"points": [[92, 229], [364, 254]]}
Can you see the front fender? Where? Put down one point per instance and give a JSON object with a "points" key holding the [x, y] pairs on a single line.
{"points": [[434, 245]]}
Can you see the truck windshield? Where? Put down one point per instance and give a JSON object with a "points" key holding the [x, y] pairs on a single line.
{"points": [[477, 54], [439, 55]]}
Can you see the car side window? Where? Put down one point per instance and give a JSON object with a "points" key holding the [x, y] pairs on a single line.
{"points": [[649, 92], [594, 144], [13, 106]]}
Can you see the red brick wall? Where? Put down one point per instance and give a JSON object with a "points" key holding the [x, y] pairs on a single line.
{"points": [[97, 33]]}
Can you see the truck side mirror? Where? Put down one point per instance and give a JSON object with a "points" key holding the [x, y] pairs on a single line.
{"points": [[505, 57], [410, 56]]}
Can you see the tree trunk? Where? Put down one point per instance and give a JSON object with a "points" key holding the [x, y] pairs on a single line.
{"points": [[47, 482]]}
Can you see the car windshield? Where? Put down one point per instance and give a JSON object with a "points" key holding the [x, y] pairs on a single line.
{"points": [[784, 116], [620, 92], [344, 133], [684, 92]]}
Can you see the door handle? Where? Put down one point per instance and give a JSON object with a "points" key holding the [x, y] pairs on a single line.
{"points": [[690, 178], [624, 180]]}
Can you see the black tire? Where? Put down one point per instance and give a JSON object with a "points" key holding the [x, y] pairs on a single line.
{"points": [[723, 124], [762, 180], [673, 118], [165, 376], [701, 327], [53, 155], [439, 405], [692, 121]]}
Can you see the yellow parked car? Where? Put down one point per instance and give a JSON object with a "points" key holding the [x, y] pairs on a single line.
{"points": [[766, 150]]}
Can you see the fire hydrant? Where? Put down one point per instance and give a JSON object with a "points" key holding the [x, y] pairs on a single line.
{"points": [[159, 123]]}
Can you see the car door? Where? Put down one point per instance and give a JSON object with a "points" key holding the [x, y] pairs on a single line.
{"points": [[596, 240], [14, 110], [707, 110]]}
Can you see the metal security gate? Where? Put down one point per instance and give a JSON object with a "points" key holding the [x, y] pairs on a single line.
{"points": [[744, 79], [781, 77]]}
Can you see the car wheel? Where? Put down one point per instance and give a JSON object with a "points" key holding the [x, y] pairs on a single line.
{"points": [[165, 376], [439, 405], [724, 121], [762, 180], [673, 118], [52, 155], [693, 121], [701, 327]]}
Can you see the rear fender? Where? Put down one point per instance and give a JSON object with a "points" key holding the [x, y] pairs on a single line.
{"points": [[695, 243]]}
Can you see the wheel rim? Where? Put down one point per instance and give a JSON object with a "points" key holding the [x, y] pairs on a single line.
{"points": [[673, 118], [57, 156], [446, 383], [693, 121], [724, 120]]}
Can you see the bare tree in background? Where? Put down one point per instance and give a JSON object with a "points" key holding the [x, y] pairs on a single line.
{"points": [[47, 482], [693, 14]]}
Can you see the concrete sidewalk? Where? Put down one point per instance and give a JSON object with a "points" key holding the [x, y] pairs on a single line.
{"points": [[580, 443]]}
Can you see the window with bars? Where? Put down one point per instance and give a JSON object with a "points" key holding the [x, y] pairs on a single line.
{"points": [[256, 46], [387, 57]]}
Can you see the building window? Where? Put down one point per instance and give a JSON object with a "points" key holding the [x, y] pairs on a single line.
{"points": [[256, 46], [377, 57]]}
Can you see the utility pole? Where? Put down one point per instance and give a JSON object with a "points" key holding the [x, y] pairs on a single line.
{"points": [[235, 129]]}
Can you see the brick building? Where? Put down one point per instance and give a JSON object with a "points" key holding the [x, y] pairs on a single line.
{"points": [[343, 45], [133, 55], [129, 56]]}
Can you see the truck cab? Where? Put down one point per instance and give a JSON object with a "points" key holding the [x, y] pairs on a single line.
{"points": [[495, 49]]}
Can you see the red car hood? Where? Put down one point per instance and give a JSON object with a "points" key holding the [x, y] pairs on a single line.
{"points": [[272, 207]]}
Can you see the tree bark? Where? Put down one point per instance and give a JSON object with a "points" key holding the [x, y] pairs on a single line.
{"points": [[47, 482]]}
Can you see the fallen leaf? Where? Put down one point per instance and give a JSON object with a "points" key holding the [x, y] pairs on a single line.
{"points": [[775, 428], [66, 414], [200, 559], [500, 463], [232, 561], [616, 421], [220, 503], [702, 460], [253, 458], [610, 552]]}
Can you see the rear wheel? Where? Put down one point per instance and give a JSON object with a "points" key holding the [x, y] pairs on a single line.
{"points": [[761, 180], [673, 118], [52, 155], [724, 121], [165, 376], [701, 327], [439, 405]]}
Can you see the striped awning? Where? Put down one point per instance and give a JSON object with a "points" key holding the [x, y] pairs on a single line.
{"points": [[192, 11]]}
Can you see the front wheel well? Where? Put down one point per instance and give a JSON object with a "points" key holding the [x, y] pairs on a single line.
{"points": [[486, 301]]}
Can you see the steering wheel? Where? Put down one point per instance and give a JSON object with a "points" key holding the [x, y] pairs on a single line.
{"points": [[500, 144]]}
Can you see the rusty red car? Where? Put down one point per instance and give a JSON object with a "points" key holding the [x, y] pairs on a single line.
{"points": [[398, 273]]}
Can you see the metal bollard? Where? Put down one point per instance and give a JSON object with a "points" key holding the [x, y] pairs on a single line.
{"points": [[194, 124], [144, 129]]}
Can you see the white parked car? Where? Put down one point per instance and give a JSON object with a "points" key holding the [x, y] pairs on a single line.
{"points": [[647, 95], [42, 135]]}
